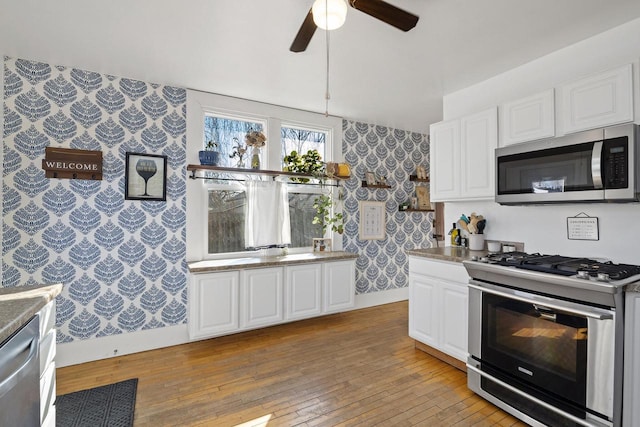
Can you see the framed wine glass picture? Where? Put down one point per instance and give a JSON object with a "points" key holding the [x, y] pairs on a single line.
{"points": [[145, 177]]}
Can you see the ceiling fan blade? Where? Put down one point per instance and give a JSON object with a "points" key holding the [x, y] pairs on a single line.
{"points": [[386, 13], [304, 35]]}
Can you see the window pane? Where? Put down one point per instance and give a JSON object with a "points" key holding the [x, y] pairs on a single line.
{"points": [[223, 131], [303, 140], [226, 221], [301, 214]]}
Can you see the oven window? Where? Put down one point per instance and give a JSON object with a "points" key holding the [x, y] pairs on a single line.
{"points": [[539, 340], [536, 345]]}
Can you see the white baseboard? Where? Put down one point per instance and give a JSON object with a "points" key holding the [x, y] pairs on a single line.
{"points": [[382, 297], [82, 351]]}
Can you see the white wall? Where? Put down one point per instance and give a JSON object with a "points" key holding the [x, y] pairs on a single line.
{"points": [[543, 228]]}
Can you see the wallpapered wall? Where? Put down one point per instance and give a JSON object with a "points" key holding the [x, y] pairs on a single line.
{"points": [[122, 261], [395, 154]]}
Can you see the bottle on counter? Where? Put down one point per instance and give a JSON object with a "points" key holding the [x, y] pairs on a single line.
{"points": [[455, 235]]}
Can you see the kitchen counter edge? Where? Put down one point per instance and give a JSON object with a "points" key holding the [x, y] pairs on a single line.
{"points": [[447, 253], [18, 304], [210, 266]]}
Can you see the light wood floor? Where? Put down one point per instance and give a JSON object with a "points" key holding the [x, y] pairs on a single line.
{"points": [[356, 368]]}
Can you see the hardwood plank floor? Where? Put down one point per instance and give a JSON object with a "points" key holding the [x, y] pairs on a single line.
{"points": [[358, 368]]}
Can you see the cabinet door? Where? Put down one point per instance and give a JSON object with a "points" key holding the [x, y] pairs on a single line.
{"points": [[339, 286], [213, 304], [631, 412], [479, 139], [527, 119], [599, 100], [453, 326], [445, 160], [261, 296], [303, 291], [424, 310]]}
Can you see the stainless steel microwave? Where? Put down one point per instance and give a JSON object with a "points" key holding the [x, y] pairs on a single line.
{"points": [[599, 165]]}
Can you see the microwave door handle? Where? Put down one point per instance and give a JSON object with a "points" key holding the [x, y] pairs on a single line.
{"points": [[596, 165]]}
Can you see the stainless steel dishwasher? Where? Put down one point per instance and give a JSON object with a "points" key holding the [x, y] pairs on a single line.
{"points": [[20, 377]]}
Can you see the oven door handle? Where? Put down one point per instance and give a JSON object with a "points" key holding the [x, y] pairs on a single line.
{"points": [[529, 397], [555, 306]]}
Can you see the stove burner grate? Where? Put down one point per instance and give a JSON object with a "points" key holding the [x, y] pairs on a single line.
{"points": [[565, 266]]}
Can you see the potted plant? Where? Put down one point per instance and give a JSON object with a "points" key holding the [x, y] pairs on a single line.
{"points": [[239, 152], [210, 156], [322, 204], [310, 163], [256, 140]]}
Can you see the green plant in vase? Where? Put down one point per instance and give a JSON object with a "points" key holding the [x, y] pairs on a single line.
{"points": [[310, 162], [323, 204]]}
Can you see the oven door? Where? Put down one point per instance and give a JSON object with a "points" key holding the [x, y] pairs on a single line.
{"points": [[560, 351]]}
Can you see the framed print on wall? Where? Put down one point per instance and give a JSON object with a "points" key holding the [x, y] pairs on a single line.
{"points": [[372, 220], [145, 177]]}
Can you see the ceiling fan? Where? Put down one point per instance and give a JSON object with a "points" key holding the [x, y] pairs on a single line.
{"points": [[377, 8]]}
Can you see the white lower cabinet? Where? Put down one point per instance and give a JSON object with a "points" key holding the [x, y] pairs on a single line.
{"points": [[438, 305], [261, 303], [213, 304], [47, 316], [338, 286], [226, 302], [303, 288]]}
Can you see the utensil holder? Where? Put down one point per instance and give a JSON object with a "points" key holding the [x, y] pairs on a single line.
{"points": [[476, 242]]}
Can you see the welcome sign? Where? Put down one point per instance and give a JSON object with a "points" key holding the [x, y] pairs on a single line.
{"points": [[69, 163]]}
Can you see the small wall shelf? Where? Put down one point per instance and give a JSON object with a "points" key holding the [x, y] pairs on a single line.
{"points": [[365, 185], [416, 210], [416, 179]]}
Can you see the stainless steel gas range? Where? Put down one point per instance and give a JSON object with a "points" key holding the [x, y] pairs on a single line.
{"points": [[546, 336]]}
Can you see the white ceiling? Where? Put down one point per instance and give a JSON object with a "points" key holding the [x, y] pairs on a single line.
{"points": [[378, 74]]}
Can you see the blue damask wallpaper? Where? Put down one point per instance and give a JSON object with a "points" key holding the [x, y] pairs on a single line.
{"points": [[395, 154], [122, 261]]}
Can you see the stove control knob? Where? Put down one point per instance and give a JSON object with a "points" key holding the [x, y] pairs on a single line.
{"points": [[582, 274], [484, 259], [474, 258], [603, 277]]}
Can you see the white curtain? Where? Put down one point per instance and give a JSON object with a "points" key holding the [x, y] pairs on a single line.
{"points": [[267, 216]]}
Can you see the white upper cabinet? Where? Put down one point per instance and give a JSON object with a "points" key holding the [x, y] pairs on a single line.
{"points": [[478, 139], [527, 119], [463, 158], [445, 160], [599, 100]]}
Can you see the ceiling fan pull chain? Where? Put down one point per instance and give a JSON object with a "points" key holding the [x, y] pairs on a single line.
{"points": [[327, 96]]}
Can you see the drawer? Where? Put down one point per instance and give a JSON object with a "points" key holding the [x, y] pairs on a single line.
{"points": [[450, 271], [47, 391], [47, 350]]}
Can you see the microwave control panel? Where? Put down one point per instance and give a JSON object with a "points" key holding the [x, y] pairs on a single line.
{"points": [[615, 168]]}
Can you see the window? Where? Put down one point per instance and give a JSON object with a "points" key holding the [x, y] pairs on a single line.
{"points": [[228, 133], [219, 206], [302, 140]]}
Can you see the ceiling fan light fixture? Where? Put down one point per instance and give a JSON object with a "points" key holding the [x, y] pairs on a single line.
{"points": [[329, 14]]}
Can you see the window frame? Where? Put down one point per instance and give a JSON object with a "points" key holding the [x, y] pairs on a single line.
{"points": [[274, 117]]}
